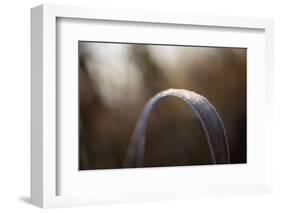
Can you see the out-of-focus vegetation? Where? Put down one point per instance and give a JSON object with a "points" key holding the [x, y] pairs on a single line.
{"points": [[116, 80]]}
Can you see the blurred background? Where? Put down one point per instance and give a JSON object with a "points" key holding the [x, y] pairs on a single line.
{"points": [[116, 80]]}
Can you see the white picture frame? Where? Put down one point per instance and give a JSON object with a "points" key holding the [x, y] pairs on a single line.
{"points": [[45, 165]]}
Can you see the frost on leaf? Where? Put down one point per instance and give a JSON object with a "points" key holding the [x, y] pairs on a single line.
{"points": [[209, 118]]}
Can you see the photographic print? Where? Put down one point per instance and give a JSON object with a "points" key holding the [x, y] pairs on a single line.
{"points": [[157, 105]]}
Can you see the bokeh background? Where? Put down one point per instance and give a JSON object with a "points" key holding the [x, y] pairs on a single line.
{"points": [[116, 80]]}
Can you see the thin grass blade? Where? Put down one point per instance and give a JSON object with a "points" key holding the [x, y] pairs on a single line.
{"points": [[209, 118]]}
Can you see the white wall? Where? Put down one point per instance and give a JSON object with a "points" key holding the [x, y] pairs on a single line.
{"points": [[15, 98]]}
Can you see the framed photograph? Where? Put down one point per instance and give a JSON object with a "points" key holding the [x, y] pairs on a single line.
{"points": [[130, 106]]}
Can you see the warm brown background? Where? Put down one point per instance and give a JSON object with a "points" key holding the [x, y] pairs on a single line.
{"points": [[116, 80]]}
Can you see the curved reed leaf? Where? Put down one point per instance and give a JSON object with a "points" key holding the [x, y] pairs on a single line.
{"points": [[209, 118]]}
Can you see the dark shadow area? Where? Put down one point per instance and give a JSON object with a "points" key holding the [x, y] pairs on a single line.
{"points": [[26, 200]]}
